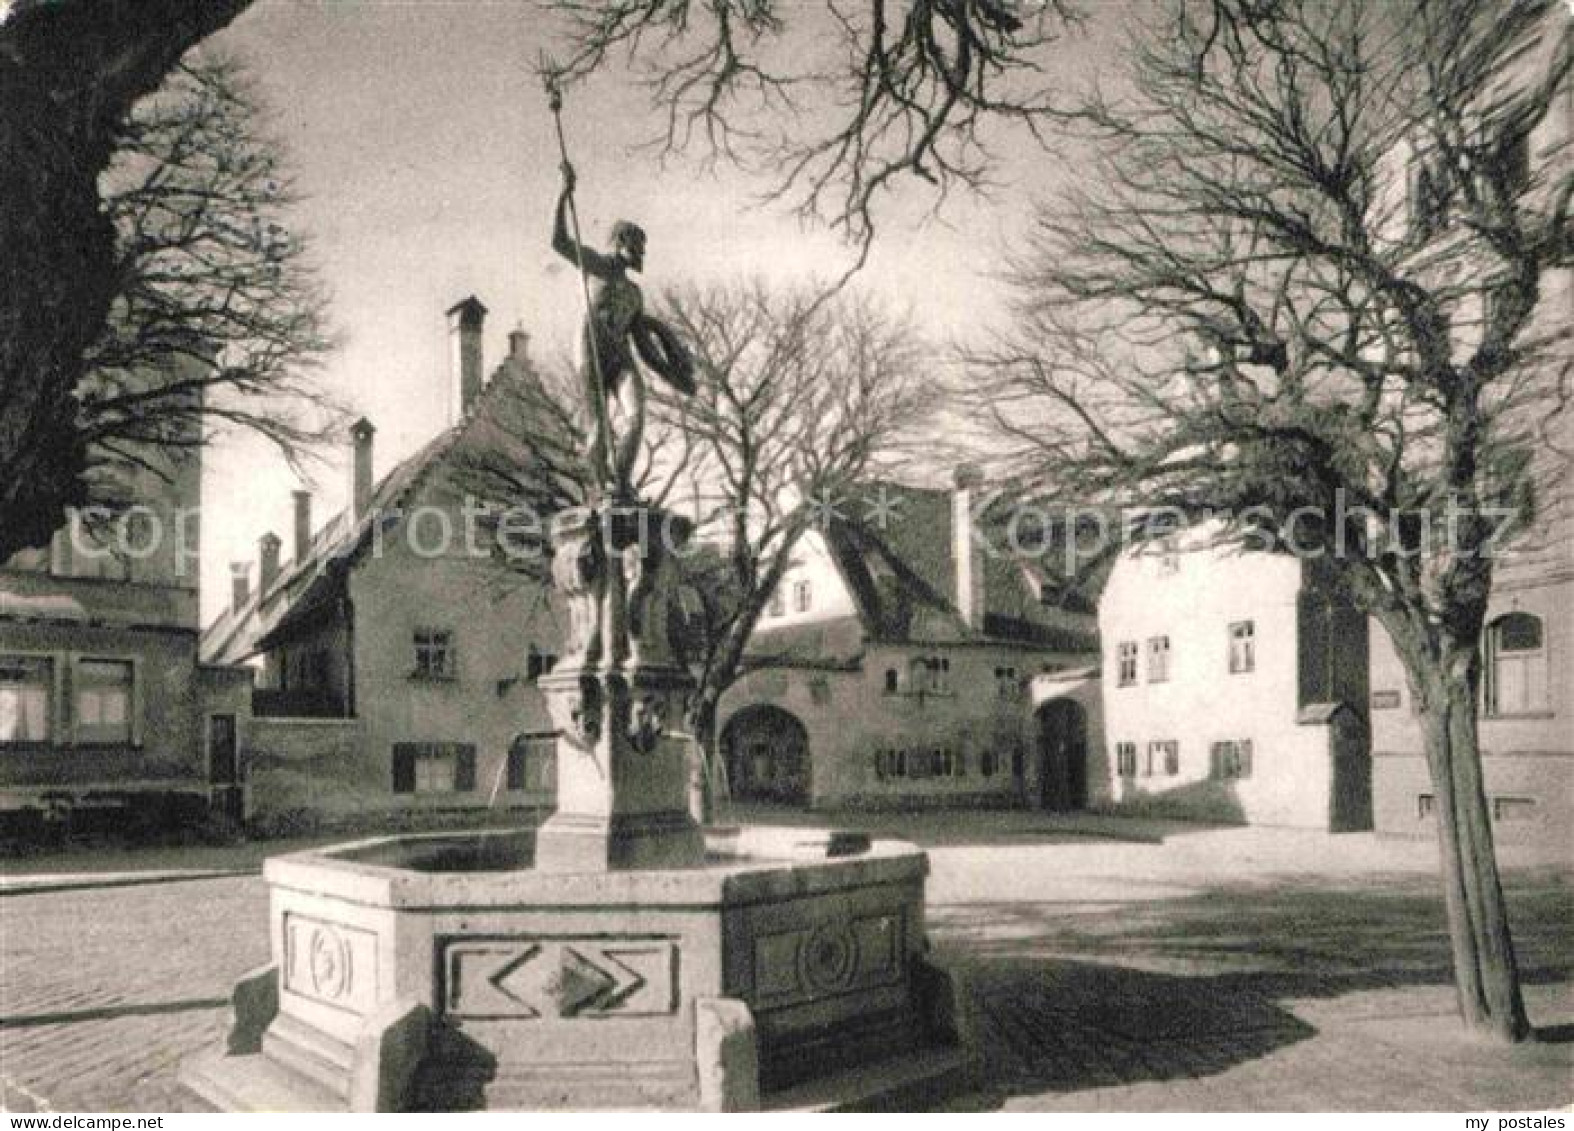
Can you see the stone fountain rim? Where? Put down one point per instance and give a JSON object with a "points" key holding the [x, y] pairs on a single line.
{"points": [[766, 868]]}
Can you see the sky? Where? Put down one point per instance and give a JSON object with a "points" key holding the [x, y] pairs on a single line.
{"points": [[422, 147]]}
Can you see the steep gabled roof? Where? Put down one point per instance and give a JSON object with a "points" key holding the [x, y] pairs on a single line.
{"points": [[306, 587], [892, 545]]}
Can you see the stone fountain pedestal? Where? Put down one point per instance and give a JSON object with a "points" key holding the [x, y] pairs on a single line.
{"points": [[436, 973], [610, 959]]}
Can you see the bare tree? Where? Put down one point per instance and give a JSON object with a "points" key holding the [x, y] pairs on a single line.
{"points": [[1302, 289], [70, 71], [216, 317], [835, 102], [799, 397]]}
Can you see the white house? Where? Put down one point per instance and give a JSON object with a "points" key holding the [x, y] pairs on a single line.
{"points": [[1234, 686], [898, 665], [399, 663]]}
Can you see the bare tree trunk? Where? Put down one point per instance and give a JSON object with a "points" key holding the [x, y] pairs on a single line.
{"points": [[1486, 976], [703, 765], [69, 72]]}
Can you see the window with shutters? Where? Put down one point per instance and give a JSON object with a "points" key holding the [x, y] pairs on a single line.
{"points": [[1232, 759], [1163, 757], [433, 767]]}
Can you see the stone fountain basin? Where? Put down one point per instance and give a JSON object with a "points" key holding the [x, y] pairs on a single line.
{"points": [[791, 954]]}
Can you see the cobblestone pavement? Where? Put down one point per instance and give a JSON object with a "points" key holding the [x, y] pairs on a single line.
{"points": [[104, 990], [1223, 970]]}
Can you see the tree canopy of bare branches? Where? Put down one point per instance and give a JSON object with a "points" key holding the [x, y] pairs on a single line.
{"points": [[799, 397], [70, 71], [836, 102], [1306, 286], [217, 318]]}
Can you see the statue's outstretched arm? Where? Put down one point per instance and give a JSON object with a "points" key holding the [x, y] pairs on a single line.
{"points": [[563, 242]]}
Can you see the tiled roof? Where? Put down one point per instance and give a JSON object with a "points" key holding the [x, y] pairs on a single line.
{"points": [[305, 587], [898, 561]]}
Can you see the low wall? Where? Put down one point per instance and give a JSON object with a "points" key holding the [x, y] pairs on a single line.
{"points": [[295, 765]]}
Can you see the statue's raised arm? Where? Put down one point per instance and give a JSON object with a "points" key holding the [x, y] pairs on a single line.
{"points": [[586, 259]]}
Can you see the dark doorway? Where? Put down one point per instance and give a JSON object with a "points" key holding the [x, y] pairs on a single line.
{"points": [[767, 753], [1062, 756], [1350, 807], [225, 787]]}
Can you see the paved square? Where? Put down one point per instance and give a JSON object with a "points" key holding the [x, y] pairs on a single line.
{"points": [[1224, 970]]}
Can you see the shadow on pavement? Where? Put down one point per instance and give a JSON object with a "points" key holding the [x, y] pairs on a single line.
{"points": [[110, 1012], [1071, 996], [950, 828]]}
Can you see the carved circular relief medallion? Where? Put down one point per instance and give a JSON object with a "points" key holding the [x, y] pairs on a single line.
{"points": [[828, 958], [329, 957]]}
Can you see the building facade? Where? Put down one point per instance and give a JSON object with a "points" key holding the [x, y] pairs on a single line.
{"points": [[397, 655], [1234, 686], [897, 663], [103, 701], [1524, 724]]}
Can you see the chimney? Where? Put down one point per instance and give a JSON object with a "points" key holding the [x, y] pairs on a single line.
{"points": [[239, 588], [464, 336], [303, 525], [519, 345], [267, 562], [361, 433], [967, 551]]}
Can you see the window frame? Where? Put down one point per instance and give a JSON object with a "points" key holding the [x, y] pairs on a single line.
{"points": [[1127, 654], [1159, 672], [1232, 759], [50, 663], [1531, 664], [126, 733], [1126, 759], [445, 650], [405, 761], [1243, 647]]}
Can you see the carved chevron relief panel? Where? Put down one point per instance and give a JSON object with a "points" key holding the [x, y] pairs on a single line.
{"points": [[559, 977]]}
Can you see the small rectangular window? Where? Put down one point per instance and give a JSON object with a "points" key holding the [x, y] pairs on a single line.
{"points": [[1232, 759], [434, 767], [1513, 808], [1158, 659], [1426, 805], [801, 596], [1126, 759], [104, 700], [538, 663], [434, 654], [1243, 647], [26, 696], [1126, 672], [778, 605]]}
